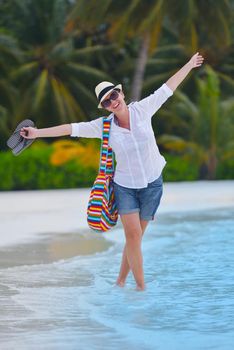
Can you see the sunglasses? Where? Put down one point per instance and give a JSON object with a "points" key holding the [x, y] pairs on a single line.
{"points": [[113, 96]]}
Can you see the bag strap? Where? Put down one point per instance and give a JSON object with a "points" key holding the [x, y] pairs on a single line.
{"points": [[106, 156]]}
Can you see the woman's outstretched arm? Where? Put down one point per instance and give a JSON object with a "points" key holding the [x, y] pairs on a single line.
{"points": [[55, 131], [178, 77]]}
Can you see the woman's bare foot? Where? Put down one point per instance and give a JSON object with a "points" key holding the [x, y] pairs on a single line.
{"points": [[120, 283], [140, 288]]}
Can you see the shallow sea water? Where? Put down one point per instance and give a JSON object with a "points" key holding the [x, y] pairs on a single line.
{"points": [[72, 303]]}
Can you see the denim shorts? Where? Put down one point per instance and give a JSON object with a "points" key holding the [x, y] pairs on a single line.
{"points": [[143, 200]]}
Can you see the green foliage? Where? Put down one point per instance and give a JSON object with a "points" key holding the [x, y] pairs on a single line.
{"points": [[53, 53], [208, 136], [32, 170], [180, 168], [51, 78], [225, 169]]}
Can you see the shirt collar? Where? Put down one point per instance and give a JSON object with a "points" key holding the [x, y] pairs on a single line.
{"points": [[115, 125]]}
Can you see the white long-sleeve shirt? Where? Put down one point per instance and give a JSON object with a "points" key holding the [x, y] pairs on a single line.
{"points": [[138, 160]]}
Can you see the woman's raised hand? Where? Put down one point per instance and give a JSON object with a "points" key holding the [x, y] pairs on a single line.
{"points": [[28, 132], [196, 60]]}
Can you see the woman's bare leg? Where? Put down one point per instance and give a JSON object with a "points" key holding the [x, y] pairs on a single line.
{"points": [[125, 268], [132, 256]]}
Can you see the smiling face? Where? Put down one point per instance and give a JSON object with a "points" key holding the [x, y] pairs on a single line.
{"points": [[118, 104]]}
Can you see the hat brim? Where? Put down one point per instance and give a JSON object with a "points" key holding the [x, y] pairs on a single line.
{"points": [[119, 86]]}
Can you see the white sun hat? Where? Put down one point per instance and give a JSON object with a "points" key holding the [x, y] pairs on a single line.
{"points": [[103, 89]]}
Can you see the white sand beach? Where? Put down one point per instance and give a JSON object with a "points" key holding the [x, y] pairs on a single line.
{"points": [[24, 215]]}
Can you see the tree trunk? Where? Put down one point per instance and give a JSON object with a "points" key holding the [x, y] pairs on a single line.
{"points": [[140, 68], [212, 164]]}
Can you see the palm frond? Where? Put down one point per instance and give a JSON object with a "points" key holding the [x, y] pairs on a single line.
{"points": [[169, 48], [9, 47], [91, 51], [84, 71], [57, 20], [155, 14], [153, 81], [155, 35], [72, 107], [226, 78], [190, 106], [83, 92], [85, 12], [155, 62], [227, 106], [25, 70], [179, 145], [58, 99], [41, 88]]}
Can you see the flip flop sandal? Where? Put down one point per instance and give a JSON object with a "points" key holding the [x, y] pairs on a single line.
{"points": [[22, 145], [17, 142], [16, 137]]}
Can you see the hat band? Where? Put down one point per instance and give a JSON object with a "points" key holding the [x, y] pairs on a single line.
{"points": [[104, 91]]}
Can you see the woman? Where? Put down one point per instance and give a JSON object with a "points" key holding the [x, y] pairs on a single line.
{"points": [[138, 174]]}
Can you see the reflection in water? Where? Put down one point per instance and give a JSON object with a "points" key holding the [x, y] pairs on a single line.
{"points": [[66, 246], [53, 247]]}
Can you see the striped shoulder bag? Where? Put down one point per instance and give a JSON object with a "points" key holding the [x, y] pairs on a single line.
{"points": [[102, 213]]}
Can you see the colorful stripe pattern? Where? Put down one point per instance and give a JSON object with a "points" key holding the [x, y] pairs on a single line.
{"points": [[102, 213]]}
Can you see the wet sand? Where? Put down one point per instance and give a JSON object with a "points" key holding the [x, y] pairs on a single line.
{"points": [[52, 247]]}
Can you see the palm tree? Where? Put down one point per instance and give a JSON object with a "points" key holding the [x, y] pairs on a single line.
{"points": [[9, 57], [192, 23], [55, 78], [123, 19], [208, 123], [189, 21], [163, 63]]}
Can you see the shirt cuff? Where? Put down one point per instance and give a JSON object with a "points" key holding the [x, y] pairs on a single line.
{"points": [[75, 130], [167, 90]]}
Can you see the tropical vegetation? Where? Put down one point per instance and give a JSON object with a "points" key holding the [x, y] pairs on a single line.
{"points": [[53, 53]]}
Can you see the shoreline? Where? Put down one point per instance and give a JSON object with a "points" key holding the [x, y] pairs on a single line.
{"points": [[58, 289], [26, 216]]}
